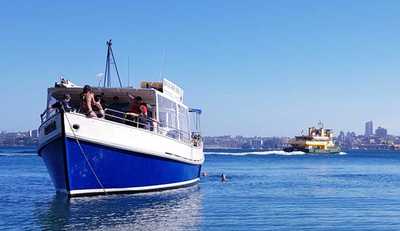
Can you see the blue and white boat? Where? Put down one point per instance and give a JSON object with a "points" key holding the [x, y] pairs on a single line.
{"points": [[86, 156]]}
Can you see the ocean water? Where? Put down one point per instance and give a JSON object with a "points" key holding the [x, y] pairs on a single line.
{"points": [[264, 191]]}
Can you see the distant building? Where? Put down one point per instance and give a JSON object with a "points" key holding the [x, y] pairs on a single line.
{"points": [[23, 138], [369, 128], [341, 137], [33, 133], [256, 142], [381, 132]]}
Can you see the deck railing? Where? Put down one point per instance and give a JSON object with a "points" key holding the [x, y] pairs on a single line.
{"points": [[138, 121], [153, 125]]}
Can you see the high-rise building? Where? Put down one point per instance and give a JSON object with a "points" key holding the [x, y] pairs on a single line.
{"points": [[369, 128], [381, 132]]}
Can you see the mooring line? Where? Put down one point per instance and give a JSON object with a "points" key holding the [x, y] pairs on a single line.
{"points": [[83, 153]]}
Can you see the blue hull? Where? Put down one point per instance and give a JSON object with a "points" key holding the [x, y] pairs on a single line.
{"points": [[107, 169]]}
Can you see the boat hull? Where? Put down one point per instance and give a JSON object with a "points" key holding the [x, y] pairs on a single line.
{"points": [[87, 156], [98, 169], [313, 151]]}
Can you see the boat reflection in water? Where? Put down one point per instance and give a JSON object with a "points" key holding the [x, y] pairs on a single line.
{"points": [[175, 210]]}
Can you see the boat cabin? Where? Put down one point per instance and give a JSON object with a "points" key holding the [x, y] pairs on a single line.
{"points": [[167, 115]]}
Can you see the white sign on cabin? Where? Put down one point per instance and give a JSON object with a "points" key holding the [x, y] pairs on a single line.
{"points": [[172, 90]]}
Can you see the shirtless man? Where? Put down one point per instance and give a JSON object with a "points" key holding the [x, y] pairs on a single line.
{"points": [[90, 107]]}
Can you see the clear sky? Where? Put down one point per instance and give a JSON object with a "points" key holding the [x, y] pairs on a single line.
{"points": [[254, 67]]}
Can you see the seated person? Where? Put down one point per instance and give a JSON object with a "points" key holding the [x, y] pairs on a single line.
{"points": [[89, 106], [115, 113], [114, 104], [100, 99], [63, 104]]}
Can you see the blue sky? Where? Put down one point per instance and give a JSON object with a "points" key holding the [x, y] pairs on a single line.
{"points": [[254, 67]]}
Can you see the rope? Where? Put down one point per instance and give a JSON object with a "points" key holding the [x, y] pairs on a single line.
{"points": [[83, 153]]}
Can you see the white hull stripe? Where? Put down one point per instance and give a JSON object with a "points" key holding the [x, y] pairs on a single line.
{"points": [[166, 155], [132, 189]]}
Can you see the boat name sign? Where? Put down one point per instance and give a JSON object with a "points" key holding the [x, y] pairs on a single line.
{"points": [[172, 90]]}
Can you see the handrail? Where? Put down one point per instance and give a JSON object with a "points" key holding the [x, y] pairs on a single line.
{"points": [[125, 115], [151, 124], [45, 114], [158, 127]]}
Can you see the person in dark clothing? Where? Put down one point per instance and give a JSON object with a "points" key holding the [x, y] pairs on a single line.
{"points": [[114, 114], [66, 103], [115, 104], [63, 104]]}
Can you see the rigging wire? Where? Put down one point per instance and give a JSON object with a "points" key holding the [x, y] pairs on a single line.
{"points": [[84, 155], [107, 74]]}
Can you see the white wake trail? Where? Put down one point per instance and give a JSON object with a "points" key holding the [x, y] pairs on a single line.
{"points": [[278, 152]]}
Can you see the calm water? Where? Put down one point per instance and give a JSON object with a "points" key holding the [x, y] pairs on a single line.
{"points": [[356, 191]]}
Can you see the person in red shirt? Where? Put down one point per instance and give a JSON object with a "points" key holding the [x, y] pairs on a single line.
{"points": [[139, 107], [135, 106], [143, 123]]}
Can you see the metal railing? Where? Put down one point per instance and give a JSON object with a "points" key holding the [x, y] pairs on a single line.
{"points": [[51, 111], [153, 125], [138, 121], [47, 113], [44, 116]]}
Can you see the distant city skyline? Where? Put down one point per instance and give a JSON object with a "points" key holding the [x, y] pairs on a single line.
{"points": [[369, 128], [368, 132], [267, 68]]}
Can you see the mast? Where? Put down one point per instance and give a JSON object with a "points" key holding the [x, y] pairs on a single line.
{"points": [[320, 124], [110, 60]]}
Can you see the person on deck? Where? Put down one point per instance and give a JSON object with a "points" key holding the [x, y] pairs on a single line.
{"points": [[114, 113], [139, 109], [89, 106], [63, 104], [143, 123], [66, 103]]}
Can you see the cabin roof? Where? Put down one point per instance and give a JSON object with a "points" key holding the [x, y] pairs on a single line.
{"points": [[107, 94], [148, 94]]}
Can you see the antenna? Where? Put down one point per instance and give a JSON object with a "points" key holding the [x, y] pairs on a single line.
{"points": [[128, 71], [162, 64], [107, 74]]}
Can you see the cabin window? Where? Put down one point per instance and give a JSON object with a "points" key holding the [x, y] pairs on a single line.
{"points": [[167, 116], [194, 118], [183, 117], [50, 101]]}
